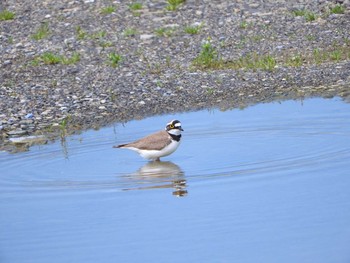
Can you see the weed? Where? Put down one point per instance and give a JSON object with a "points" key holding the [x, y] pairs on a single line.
{"points": [[50, 58], [108, 10], [81, 34], [129, 32], [299, 12], [244, 25], [164, 32], [135, 6], [254, 61], [310, 38], [337, 9], [10, 40], [210, 91], [99, 34], [192, 30], [72, 60], [257, 38], [114, 59], [168, 61], [308, 15], [318, 57], [63, 127], [6, 15], [295, 61], [335, 55], [174, 4], [105, 44], [208, 57], [42, 32]]}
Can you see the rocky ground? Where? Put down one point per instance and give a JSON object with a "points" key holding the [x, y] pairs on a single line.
{"points": [[75, 64]]}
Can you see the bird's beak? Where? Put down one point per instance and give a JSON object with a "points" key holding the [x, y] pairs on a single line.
{"points": [[181, 129]]}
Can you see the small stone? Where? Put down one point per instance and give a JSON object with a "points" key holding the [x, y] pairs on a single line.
{"points": [[17, 133], [146, 36], [29, 140], [29, 116]]}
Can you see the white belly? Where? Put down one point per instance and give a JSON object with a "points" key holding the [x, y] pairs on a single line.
{"points": [[155, 154]]}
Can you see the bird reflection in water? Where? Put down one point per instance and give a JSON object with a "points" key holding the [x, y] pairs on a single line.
{"points": [[158, 174]]}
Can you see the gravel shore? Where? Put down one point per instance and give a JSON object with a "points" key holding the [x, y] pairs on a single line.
{"points": [[75, 64]]}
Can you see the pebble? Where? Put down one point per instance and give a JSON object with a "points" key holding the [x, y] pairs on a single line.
{"points": [[38, 139], [17, 133]]}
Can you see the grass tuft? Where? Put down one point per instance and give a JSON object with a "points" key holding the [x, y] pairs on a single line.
{"points": [[49, 58], [165, 32], [108, 10], [308, 15], [135, 6], [207, 58], [173, 5], [42, 32], [6, 15], [337, 9], [114, 59], [192, 30], [129, 32], [81, 34]]}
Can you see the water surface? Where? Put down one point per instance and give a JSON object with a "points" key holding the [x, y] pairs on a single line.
{"points": [[269, 183]]}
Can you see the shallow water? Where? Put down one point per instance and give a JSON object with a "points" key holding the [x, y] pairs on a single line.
{"points": [[269, 183]]}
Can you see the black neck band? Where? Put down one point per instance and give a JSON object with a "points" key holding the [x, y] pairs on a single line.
{"points": [[175, 137]]}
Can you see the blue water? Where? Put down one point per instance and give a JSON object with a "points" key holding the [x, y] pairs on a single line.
{"points": [[269, 183]]}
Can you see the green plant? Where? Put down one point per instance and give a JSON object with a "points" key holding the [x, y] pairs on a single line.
{"points": [[310, 38], [99, 34], [6, 15], [208, 57], [105, 44], [308, 15], [174, 4], [337, 9], [129, 32], [164, 32], [318, 57], [114, 59], [63, 127], [335, 55], [50, 58], [42, 32], [135, 6], [295, 61], [192, 30], [108, 10], [299, 12], [81, 34], [244, 24], [71, 60]]}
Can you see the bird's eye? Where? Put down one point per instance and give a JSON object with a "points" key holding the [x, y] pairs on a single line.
{"points": [[171, 126]]}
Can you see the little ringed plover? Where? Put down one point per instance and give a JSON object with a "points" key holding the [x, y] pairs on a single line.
{"points": [[158, 144]]}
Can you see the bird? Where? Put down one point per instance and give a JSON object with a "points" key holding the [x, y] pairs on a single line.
{"points": [[159, 144]]}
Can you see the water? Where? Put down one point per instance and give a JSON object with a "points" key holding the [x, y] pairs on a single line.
{"points": [[269, 183]]}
